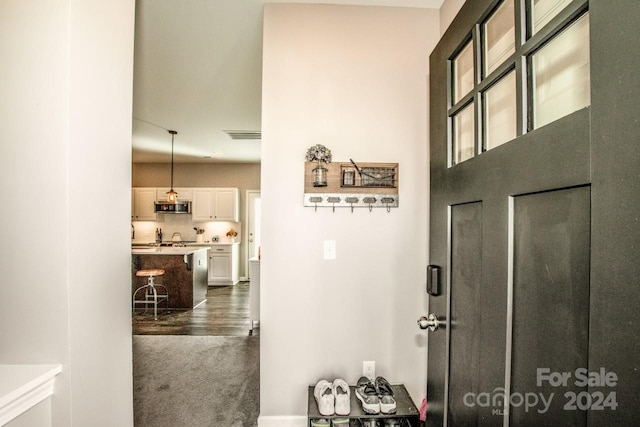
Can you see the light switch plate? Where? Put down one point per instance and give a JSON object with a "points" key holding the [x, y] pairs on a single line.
{"points": [[329, 249]]}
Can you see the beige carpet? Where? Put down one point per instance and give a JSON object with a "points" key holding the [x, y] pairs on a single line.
{"points": [[195, 381]]}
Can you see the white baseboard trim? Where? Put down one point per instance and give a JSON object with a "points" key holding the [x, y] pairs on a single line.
{"points": [[24, 386], [282, 421], [243, 279]]}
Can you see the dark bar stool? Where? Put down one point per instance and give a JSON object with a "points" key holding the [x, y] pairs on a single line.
{"points": [[149, 292]]}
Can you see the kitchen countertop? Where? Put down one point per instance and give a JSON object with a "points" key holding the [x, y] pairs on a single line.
{"points": [[152, 244], [214, 244], [167, 250]]}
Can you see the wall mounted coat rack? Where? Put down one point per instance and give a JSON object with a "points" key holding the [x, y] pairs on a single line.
{"points": [[352, 185]]}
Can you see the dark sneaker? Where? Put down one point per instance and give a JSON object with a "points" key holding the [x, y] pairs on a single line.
{"points": [[385, 395], [368, 396], [391, 422], [370, 422]]}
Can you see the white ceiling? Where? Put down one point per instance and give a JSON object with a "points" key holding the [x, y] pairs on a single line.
{"points": [[198, 70]]}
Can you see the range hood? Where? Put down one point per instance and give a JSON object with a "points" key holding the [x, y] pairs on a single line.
{"points": [[179, 207]]}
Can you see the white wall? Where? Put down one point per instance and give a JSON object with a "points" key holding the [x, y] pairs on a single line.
{"points": [[356, 80], [448, 11], [66, 132]]}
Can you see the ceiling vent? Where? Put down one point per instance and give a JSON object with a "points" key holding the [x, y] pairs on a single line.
{"points": [[244, 134]]}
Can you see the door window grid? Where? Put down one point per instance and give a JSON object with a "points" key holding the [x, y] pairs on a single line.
{"points": [[463, 134], [498, 37], [543, 11], [463, 71], [523, 93], [500, 112], [561, 75]]}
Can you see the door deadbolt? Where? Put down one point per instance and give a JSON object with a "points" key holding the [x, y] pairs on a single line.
{"points": [[431, 322]]}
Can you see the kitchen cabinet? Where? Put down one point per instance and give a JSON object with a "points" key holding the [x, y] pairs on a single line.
{"points": [[223, 265], [184, 193], [215, 204], [143, 204]]}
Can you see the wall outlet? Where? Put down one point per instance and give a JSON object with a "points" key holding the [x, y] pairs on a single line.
{"points": [[369, 369]]}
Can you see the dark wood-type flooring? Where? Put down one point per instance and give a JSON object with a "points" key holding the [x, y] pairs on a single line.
{"points": [[224, 313]]}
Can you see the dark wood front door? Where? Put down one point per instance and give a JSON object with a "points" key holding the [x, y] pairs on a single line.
{"points": [[522, 304], [514, 244]]}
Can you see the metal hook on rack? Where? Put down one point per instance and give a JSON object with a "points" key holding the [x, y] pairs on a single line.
{"points": [[333, 200], [351, 200], [315, 200], [388, 201], [370, 201]]}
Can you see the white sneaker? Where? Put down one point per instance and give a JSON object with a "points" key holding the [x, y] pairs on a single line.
{"points": [[323, 392], [342, 395]]}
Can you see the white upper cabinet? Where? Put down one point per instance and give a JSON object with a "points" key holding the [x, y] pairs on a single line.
{"points": [[226, 204], [207, 204], [202, 207], [215, 204], [184, 194], [143, 204]]}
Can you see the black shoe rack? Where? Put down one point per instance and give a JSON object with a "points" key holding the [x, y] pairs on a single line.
{"points": [[406, 412]]}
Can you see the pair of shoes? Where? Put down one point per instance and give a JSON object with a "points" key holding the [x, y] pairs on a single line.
{"points": [[391, 422], [333, 398], [375, 398], [321, 422]]}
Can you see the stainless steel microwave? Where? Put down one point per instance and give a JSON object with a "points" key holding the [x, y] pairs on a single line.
{"points": [[183, 207]]}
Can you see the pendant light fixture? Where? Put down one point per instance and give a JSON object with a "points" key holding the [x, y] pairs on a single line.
{"points": [[172, 196]]}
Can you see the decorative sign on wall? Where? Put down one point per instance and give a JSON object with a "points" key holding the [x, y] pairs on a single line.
{"points": [[352, 185]]}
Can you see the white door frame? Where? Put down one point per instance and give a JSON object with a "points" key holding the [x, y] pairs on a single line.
{"points": [[250, 195]]}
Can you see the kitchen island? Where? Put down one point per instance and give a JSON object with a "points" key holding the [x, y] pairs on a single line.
{"points": [[185, 274]]}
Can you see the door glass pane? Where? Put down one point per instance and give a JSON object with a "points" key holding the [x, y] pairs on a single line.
{"points": [[463, 73], [463, 140], [561, 74], [498, 35], [543, 11], [500, 112]]}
